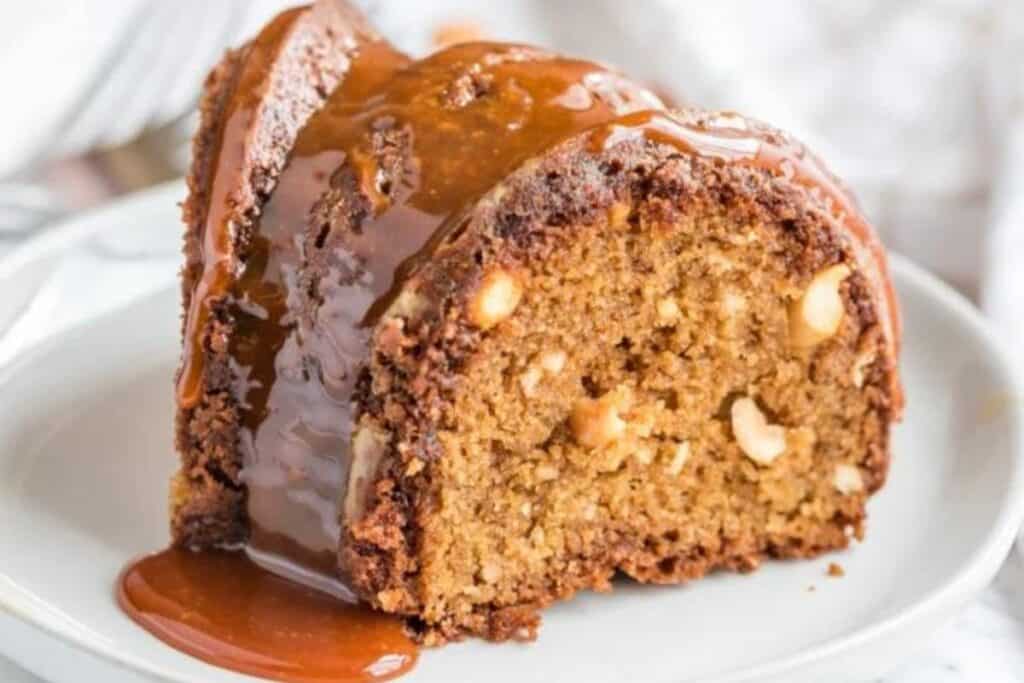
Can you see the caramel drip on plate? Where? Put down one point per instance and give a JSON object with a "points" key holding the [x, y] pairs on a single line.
{"points": [[220, 607]]}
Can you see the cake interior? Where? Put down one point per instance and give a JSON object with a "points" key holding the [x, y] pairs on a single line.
{"points": [[668, 323]]}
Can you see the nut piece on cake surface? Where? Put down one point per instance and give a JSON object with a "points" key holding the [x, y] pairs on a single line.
{"points": [[529, 380], [643, 453], [861, 363], [547, 363], [733, 304], [369, 445], [817, 315], [495, 300], [597, 422], [552, 362], [760, 441], [847, 479], [408, 304], [668, 312], [680, 454]]}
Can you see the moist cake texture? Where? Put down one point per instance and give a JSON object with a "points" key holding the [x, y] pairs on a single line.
{"points": [[467, 334]]}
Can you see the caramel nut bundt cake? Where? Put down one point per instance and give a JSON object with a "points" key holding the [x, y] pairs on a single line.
{"points": [[467, 334]]}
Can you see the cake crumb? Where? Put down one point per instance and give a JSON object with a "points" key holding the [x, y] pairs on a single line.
{"points": [[835, 571]]}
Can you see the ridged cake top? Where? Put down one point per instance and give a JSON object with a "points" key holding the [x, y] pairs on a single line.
{"points": [[394, 158]]}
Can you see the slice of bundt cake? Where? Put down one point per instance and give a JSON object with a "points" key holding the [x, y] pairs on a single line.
{"points": [[467, 334]]}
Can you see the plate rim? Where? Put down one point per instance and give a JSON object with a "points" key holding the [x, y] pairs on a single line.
{"points": [[969, 579], [65, 233]]}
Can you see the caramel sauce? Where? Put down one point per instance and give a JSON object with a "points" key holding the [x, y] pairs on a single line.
{"points": [[229, 158], [220, 607]]}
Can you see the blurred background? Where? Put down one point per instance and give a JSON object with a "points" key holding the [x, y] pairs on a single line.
{"points": [[917, 104]]}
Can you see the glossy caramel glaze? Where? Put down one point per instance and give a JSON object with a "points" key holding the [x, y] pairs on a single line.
{"points": [[416, 143], [228, 161], [464, 118], [220, 607]]}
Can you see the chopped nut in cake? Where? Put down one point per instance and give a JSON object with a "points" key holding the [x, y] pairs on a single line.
{"points": [[816, 316], [760, 441]]}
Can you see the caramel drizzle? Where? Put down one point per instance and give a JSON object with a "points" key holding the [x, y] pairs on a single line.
{"points": [[469, 115], [221, 608], [229, 161]]}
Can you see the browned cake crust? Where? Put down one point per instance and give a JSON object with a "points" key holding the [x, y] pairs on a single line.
{"points": [[291, 68], [469, 506], [206, 498]]}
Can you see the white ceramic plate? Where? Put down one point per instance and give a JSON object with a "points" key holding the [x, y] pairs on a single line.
{"points": [[85, 454]]}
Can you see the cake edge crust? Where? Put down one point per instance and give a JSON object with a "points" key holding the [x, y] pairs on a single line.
{"points": [[274, 83]]}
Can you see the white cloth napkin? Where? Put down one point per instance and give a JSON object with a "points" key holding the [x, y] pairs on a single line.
{"points": [[83, 73]]}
